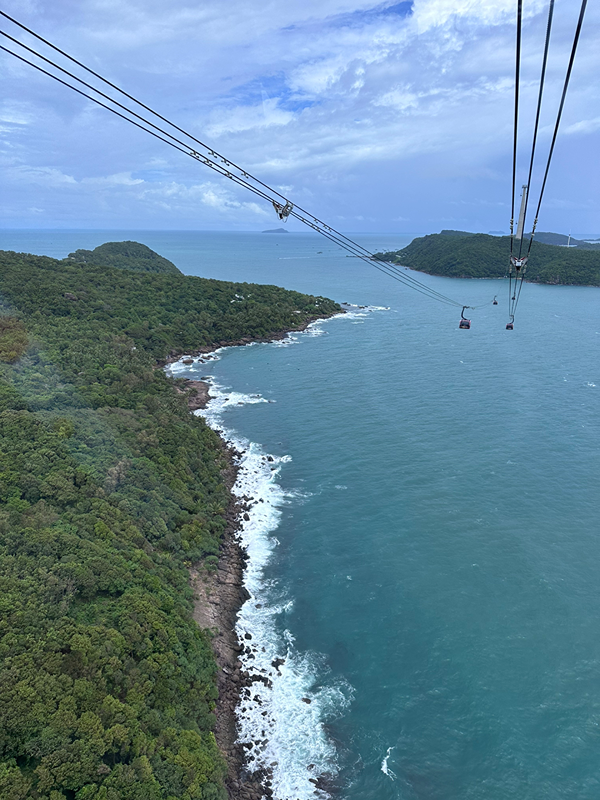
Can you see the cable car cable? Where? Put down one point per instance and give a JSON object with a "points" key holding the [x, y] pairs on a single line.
{"points": [[560, 111], [164, 119], [340, 239], [318, 225], [202, 144], [514, 295], [538, 111], [515, 140]]}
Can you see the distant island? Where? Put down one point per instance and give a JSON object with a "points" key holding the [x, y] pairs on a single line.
{"points": [[276, 230], [460, 254]]}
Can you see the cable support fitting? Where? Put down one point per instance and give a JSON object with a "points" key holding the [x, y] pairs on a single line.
{"points": [[518, 263], [283, 212]]}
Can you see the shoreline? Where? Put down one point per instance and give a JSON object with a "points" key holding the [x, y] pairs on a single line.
{"points": [[496, 278], [220, 595], [274, 336]]}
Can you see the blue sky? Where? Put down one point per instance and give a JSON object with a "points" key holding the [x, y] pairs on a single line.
{"points": [[374, 116]]}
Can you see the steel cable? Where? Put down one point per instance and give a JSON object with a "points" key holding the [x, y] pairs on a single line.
{"points": [[308, 219], [517, 292]]}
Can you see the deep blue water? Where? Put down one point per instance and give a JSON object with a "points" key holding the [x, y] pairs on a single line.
{"points": [[438, 553]]}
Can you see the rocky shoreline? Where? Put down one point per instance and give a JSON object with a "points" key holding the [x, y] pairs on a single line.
{"points": [[219, 595]]}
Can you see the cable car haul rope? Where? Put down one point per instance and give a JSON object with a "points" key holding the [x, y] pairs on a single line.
{"points": [[519, 256], [178, 138]]}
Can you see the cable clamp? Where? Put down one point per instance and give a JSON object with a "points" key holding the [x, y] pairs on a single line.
{"points": [[283, 212], [518, 262]]}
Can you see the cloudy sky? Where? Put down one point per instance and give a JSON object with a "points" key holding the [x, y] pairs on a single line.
{"points": [[391, 117]]}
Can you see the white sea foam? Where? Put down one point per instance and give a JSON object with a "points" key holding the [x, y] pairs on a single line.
{"points": [[178, 367], [284, 711], [287, 342], [384, 765], [356, 312]]}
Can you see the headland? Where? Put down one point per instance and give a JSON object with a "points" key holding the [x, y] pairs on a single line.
{"points": [[124, 496]]}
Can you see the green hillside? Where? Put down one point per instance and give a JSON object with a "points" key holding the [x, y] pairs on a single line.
{"points": [[125, 255], [458, 254], [109, 490], [561, 239]]}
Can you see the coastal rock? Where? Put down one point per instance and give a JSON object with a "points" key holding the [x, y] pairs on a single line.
{"points": [[277, 662], [197, 393]]}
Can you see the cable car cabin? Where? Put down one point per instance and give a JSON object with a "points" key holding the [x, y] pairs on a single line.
{"points": [[464, 323], [510, 326]]}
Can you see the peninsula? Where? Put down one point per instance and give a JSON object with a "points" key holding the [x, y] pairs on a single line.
{"points": [[459, 254], [111, 494]]}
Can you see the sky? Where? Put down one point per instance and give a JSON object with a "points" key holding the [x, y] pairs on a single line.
{"points": [[382, 117]]}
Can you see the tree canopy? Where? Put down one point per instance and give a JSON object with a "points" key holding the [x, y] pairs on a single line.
{"points": [[125, 255], [109, 490], [458, 254]]}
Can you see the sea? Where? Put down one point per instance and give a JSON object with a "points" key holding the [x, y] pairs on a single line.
{"points": [[424, 532]]}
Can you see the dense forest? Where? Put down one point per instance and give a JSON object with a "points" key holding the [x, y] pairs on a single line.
{"points": [[459, 254], [125, 255], [109, 490]]}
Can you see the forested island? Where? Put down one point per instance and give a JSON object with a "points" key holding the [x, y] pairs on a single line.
{"points": [[110, 492], [459, 254]]}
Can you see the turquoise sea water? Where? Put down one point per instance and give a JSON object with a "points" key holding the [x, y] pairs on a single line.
{"points": [[429, 562]]}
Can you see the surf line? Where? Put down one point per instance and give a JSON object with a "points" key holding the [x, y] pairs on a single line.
{"points": [[281, 714]]}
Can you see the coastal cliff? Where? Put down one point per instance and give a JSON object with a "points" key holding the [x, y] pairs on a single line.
{"points": [[118, 558]]}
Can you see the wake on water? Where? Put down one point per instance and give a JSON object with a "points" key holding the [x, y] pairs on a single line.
{"points": [[282, 715]]}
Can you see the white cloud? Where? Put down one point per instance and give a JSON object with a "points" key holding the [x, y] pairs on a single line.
{"points": [[344, 108], [119, 179], [46, 176], [15, 113], [213, 196], [246, 118], [584, 126], [437, 13]]}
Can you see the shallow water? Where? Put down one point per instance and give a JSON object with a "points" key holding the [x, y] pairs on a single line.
{"points": [[428, 560]]}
